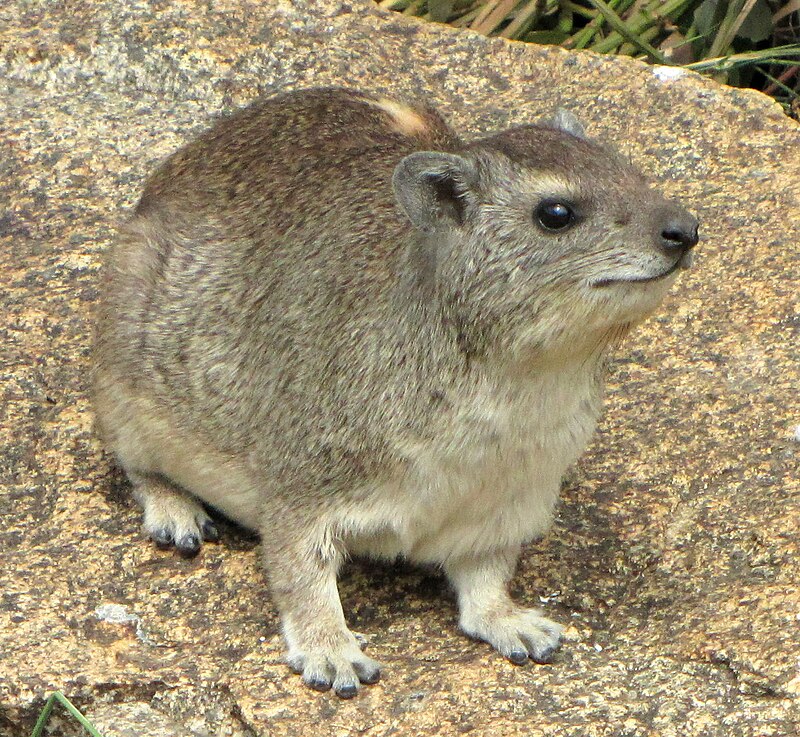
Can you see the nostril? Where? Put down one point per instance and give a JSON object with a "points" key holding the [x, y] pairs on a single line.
{"points": [[674, 237], [679, 236]]}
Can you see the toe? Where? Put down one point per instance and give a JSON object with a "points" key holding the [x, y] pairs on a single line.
{"points": [[162, 537], [345, 684], [317, 673], [368, 671], [542, 642], [210, 531], [346, 690], [188, 544], [544, 655], [296, 663], [318, 683]]}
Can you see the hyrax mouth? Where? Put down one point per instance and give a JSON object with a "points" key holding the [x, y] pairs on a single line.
{"points": [[684, 262]]}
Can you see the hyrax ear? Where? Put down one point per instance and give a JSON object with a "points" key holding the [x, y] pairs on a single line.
{"points": [[432, 188], [568, 122]]}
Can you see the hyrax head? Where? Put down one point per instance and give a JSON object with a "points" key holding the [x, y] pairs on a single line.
{"points": [[543, 240]]}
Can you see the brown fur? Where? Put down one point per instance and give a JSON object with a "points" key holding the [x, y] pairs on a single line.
{"points": [[342, 326]]}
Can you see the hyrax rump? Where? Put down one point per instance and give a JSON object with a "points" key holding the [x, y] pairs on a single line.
{"points": [[343, 327]]}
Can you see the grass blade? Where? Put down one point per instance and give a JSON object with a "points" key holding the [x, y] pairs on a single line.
{"points": [[585, 35], [737, 12], [488, 22], [619, 26], [788, 9], [778, 83], [773, 56], [59, 697], [525, 19], [44, 716]]}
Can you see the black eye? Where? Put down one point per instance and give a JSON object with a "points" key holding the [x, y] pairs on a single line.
{"points": [[554, 215]]}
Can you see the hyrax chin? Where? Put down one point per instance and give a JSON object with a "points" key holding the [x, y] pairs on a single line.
{"points": [[344, 327]]}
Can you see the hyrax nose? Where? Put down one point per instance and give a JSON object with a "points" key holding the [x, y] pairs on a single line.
{"points": [[679, 232]]}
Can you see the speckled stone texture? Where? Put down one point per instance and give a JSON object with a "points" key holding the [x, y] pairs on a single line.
{"points": [[674, 560]]}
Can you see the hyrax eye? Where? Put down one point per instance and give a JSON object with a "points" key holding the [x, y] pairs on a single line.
{"points": [[554, 215]]}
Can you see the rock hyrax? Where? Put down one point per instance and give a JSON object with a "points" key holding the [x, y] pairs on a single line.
{"points": [[346, 328]]}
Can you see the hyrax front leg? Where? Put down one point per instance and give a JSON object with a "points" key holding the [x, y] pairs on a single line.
{"points": [[302, 565], [488, 613], [171, 515]]}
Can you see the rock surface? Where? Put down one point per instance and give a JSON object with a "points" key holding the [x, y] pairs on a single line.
{"points": [[674, 558]]}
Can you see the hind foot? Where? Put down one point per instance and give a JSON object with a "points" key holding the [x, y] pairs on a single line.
{"points": [[172, 517]]}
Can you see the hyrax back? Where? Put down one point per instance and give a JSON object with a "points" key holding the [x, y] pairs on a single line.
{"points": [[347, 329]]}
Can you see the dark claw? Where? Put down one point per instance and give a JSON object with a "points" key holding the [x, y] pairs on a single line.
{"points": [[318, 684], [210, 531], [518, 657], [544, 657], [188, 545], [163, 538], [347, 691], [366, 675]]}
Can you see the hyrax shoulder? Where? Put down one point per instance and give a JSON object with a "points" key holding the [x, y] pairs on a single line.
{"points": [[342, 325]]}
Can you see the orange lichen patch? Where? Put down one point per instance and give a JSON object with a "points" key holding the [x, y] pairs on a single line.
{"points": [[405, 119]]}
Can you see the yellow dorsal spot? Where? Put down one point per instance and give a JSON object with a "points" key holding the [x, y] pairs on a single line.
{"points": [[406, 120]]}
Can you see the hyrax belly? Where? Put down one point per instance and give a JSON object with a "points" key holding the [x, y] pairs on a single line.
{"points": [[443, 513], [489, 481]]}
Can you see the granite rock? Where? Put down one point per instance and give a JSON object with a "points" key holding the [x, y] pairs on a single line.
{"points": [[674, 557]]}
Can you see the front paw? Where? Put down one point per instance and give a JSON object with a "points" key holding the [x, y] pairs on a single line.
{"points": [[340, 665], [517, 634]]}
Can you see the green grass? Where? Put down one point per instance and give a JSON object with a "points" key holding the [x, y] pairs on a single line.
{"points": [[749, 43], [58, 697]]}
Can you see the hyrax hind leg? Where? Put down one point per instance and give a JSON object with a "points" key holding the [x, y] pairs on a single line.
{"points": [[143, 440], [488, 613], [171, 515]]}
